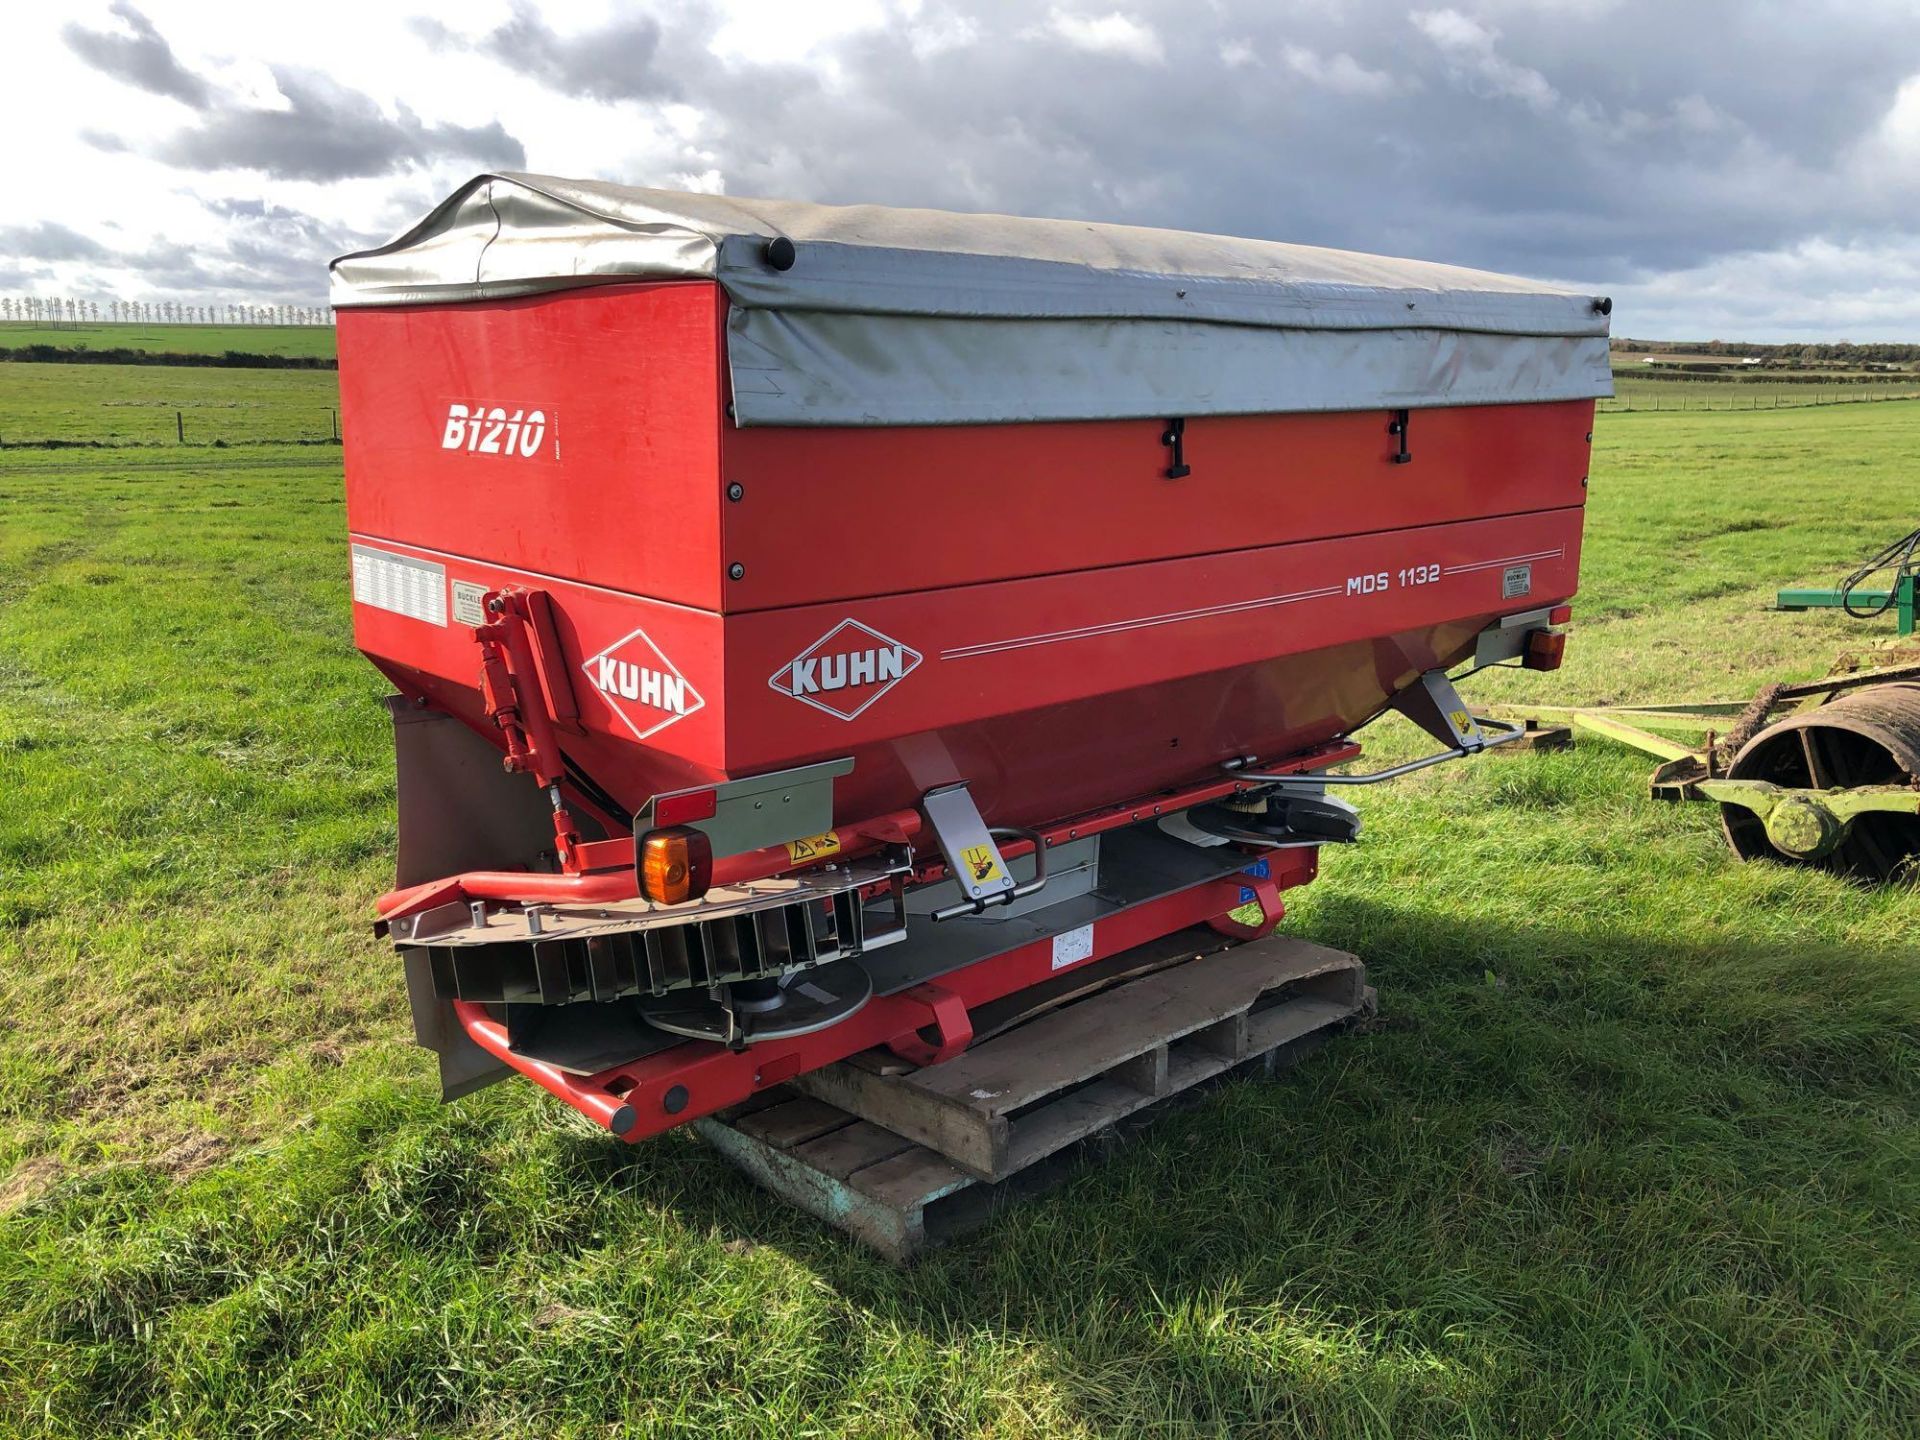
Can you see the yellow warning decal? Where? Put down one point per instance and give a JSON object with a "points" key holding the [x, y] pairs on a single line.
{"points": [[982, 865], [1463, 722], [814, 847]]}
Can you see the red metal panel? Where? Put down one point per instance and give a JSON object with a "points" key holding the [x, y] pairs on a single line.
{"points": [[653, 645], [838, 513], [1024, 645], [1035, 609], [1030, 766], [1049, 695], [622, 489]]}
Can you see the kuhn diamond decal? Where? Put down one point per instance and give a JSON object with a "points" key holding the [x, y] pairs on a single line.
{"points": [[645, 688], [846, 669]]}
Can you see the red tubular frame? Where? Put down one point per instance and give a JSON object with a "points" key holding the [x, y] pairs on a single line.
{"points": [[657, 1092], [607, 883], [595, 1103]]}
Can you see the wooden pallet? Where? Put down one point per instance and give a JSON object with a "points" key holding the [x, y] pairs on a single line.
{"points": [[902, 1158]]}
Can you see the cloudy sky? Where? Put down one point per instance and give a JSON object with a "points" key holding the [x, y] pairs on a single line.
{"points": [[1724, 168]]}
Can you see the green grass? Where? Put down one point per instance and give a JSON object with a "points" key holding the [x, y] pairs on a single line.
{"points": [[176, 339], [137, 404], [1633, 1150]]}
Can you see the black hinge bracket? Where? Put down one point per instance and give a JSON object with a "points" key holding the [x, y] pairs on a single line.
{"points": [[1397, 427], [1174, 437]]}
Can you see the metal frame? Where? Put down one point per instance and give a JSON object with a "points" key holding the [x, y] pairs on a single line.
{"points": [[1435, 706], [1810, 824], [1508, 732], [1684, 767], [762, 810], [655, 1092], [1903, 600]]}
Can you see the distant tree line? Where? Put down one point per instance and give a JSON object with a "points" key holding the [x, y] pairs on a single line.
{"points": [[1836, 352], [120, 355], [49, 310]]}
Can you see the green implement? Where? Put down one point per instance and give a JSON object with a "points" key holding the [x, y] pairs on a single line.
{"points": [[1834, 783], [1810, 824], [1900, 600]]}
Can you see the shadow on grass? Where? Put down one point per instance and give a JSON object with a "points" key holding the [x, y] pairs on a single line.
{"points": [[1573, 1182], [1613, 1184]]}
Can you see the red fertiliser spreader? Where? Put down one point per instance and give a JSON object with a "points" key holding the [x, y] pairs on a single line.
{"points": [[810, 624]]}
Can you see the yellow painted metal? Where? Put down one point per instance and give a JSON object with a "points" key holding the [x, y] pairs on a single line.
{"points": [[1602, 723]]}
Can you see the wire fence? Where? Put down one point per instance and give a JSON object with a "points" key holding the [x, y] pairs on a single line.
{"points": [[150, 427], [1681, 399]]}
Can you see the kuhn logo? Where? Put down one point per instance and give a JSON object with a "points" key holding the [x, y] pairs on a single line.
{"points": [[846, 669], [646, 689]]}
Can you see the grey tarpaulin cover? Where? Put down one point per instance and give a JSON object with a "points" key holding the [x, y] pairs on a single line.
{"points": [[900, 317]]}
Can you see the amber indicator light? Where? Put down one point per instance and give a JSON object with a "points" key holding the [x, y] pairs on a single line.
{"points": [[676, 864], [1544, 649]]}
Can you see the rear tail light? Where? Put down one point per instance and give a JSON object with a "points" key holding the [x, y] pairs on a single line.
{"points": [[675, 864], [1560, 614], [1544, 650]]}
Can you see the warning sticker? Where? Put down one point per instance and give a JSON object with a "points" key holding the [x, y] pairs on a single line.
{"points": [[982, 865], [814, 847], [1463, 722], [1072, 946], [1517, 580]]}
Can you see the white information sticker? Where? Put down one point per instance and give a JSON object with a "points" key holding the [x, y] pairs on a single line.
{"points": [[401, 584], [1072, 946], [1516, 582]]}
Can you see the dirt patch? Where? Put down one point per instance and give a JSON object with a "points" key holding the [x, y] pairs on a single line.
{"points": [[218, 1076], [188, 1157], [28, 1181], [1519, 1157], [553, 1313]]}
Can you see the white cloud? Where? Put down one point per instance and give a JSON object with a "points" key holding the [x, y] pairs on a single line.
{"points": [[1738, 180], [1697, 113], [941, 34], [1900, 128], [775, 30], [1340, 72], [1817, 290], [1472, 53], [1234, 54], [1111, 34]]}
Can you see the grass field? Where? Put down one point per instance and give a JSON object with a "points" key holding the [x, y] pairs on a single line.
{"points": [[1634, 1148], [138, 404], [175, 339]]}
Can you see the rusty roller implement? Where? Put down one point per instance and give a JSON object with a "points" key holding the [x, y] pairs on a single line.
{"points": [[808, 624], [1836, 787]]}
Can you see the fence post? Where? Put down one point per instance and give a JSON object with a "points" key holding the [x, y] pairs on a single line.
{"points": [[180, 426], [335, 416]]}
